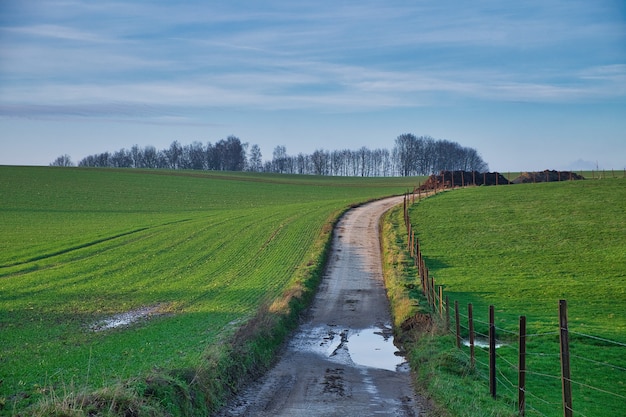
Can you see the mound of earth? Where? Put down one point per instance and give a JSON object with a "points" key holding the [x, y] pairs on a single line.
{"points": [[547, 176], [451, 179]]}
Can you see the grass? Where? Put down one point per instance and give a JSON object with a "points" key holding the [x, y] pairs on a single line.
{"points": [[208, 252], [442, 373], [522, 248]]}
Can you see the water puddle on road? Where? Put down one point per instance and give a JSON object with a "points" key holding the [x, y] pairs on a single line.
{"points": [[372, 347]]}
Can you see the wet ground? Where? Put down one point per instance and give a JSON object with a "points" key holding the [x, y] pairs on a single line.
{"points": [[342, 360]]}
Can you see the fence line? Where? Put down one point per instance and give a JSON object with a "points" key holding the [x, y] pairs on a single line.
{"points": [[440, 307]]}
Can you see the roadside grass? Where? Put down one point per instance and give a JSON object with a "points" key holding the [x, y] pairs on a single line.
{"points": [[522, 248], [443, 375], [224, 261]]}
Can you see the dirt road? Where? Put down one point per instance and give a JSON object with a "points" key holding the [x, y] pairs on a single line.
{"points": [[341, 361]]}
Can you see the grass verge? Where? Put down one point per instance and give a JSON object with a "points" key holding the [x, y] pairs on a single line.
{"points": [[442, 373]]}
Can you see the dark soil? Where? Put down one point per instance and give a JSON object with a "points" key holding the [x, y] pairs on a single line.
{"points": [[451, 179], [547, 176]]}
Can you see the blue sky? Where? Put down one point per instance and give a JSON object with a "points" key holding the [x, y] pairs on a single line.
{"points": [[532, 85]]}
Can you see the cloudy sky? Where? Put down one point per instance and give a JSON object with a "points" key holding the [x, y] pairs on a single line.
{"points": [[532, 85]]}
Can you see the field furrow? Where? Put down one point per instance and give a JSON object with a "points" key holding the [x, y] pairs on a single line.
{"points": [[190, 255]]}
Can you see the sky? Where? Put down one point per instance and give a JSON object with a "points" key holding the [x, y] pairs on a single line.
{"points": [[531, 85]]}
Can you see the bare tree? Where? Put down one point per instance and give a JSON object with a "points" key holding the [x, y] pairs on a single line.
{"points": [[62, 161], [174, 155], [279, 159], [255, 161], [320, 160], [411, 155]]}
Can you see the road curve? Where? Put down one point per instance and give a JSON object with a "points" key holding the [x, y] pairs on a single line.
{"points": [[341, 361]]}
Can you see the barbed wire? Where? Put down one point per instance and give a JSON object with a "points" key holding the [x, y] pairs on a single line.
{"points": [[580, 384], [598, 338], [608, 365], [502, 379]]}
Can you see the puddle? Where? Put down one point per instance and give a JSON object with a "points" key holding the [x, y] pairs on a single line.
{"points": [[372, 347], [482, 343], [125, 319]]}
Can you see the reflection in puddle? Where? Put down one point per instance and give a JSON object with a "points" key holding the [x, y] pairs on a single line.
{"points": [[374, 348]]}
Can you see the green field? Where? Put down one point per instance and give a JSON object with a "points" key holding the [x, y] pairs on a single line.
{"points": [[201, 250], [522, 248]]}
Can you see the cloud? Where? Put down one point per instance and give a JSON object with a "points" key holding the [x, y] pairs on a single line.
{"points": [[283, 55], [56, 32]]}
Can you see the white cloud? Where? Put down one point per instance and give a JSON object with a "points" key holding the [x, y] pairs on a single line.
{"points": [[56, 32], [282, 55]]}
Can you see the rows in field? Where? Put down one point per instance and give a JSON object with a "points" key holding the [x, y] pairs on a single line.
{"points": [[207, 272], [203, 249]]}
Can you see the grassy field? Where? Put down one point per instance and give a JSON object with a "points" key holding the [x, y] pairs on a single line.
{"points": [[202, 251], [522, 248]]}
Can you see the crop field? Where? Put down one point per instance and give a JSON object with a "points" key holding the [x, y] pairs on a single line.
{"points": [[522, 248], [108, 274]]}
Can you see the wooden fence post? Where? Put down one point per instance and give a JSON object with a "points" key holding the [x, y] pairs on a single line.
{"points": [[521, 378], [441, 301], [447, 314], [565, 368], [458, 324], [408, 243], [492, 351], [433, 296], [470, 319]]}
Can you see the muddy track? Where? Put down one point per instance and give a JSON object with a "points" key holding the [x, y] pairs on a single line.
{"points": [[341, 361]]}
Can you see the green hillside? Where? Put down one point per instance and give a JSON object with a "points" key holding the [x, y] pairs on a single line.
{"points": [[191, 255], [522, 248]]}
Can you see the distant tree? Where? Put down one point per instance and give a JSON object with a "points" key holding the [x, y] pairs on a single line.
{"points": [[212, 157], [411, 155], [301, 164], [62, 161], [193, 156], [255, 161], [121, 159], [150, 157], [279, 159], [320, 159], [406, 151], [174, 155], [136, 156], [232, 154]]}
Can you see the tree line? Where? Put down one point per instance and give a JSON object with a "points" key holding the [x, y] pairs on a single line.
{"points": [[411, 155]]}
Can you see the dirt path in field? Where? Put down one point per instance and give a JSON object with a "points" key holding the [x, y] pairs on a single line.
{"points": [[341, 361]]}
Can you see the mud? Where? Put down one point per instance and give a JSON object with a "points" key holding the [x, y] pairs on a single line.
{"points": [[342, 361]]}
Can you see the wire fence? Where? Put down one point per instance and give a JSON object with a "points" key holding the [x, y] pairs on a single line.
{"points": [[545, 373]]}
